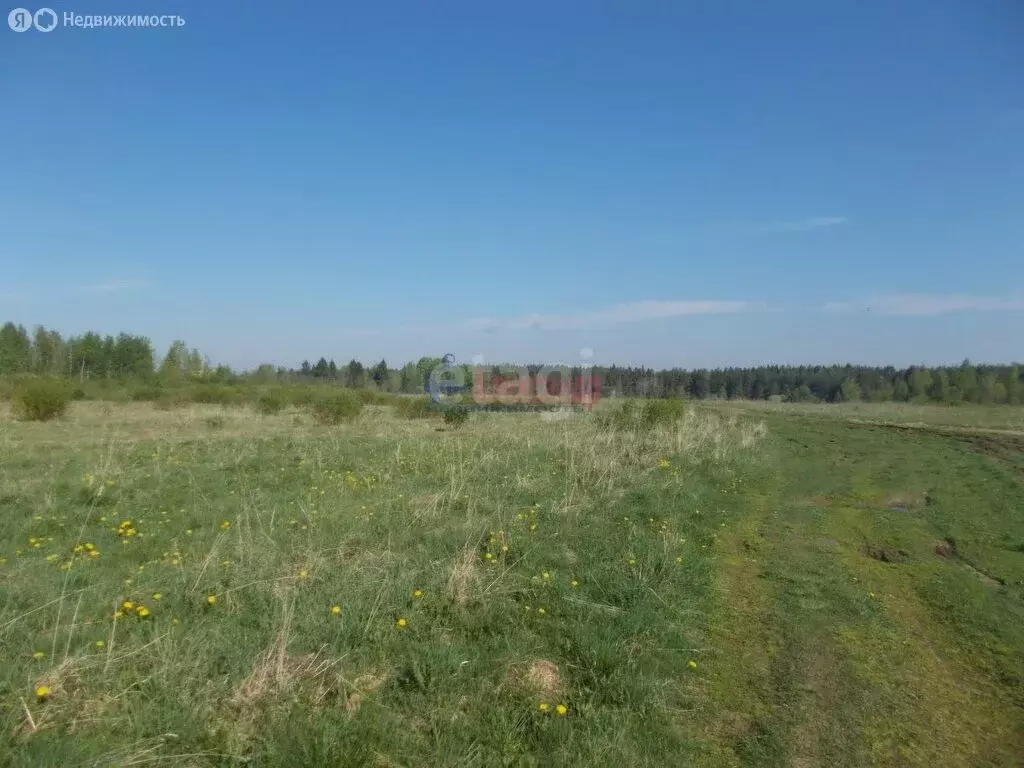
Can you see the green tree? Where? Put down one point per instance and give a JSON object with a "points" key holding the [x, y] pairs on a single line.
{"points": [[175, 364], [801, 394], [355, 372], [1014, 386], [195, 364], [49, 351], [966, 381], [85, 355], [988, 392], [921, 384], [900, 390], [15, 349], [264, 373], [379, 374], [849, 391]]}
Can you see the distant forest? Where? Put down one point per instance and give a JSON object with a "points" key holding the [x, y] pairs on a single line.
{"points": [[128, 357]]}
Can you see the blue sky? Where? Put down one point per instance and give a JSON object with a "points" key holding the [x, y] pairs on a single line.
{"points": [[665, 183]]}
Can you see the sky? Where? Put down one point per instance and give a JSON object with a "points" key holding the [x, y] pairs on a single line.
{"points": [[660, 183]]}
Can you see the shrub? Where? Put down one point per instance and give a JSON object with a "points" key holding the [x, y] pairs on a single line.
{"points": [[666, 411], [336, 408], [302, 396], [456, 417], [270, 403], [645, 415], [215, 422], [170, 399], [42, 399], [216, 394], [415, 407], [148, 394]]}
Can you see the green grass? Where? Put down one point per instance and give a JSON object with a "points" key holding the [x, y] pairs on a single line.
{"points": [[696, 592]]}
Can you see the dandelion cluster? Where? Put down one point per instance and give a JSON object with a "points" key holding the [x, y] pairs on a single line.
{"points": [[561, 710]]}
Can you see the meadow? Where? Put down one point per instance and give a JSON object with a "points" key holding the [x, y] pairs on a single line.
{"points": [[724, 585]]}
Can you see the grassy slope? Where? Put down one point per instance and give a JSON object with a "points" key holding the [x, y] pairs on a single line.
{"points": [[749, 563], [844, 659]]}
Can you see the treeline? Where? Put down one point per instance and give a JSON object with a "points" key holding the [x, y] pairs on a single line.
{"points": [[986, 384], [126, 357]]}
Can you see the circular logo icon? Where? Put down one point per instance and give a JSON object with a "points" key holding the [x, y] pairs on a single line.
{"points": [[446, 382], [45, 20], [20, 20]]}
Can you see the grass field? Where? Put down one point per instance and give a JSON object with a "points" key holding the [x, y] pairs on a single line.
{"points": [[773, 586]]}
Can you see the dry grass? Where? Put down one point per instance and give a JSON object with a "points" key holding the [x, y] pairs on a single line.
{"points": [[464, 577]]}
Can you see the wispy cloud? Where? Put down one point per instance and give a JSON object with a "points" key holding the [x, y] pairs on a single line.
{"points": [[622, 313], [635, 312], [114, 286], [805, 225], [923, 304]]}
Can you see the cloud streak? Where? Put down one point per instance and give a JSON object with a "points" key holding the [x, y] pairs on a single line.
{"points": [[926, 304], [114, 286], [805, 225], [635, 312], [619, 314]]}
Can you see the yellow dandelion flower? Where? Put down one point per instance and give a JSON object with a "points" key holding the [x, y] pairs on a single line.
{"points": [[632, 561], [561, 709], [543, 706], [77, 548], [128, 605], [336, 610], [188, 532], [38, 655], [42, 692], [118, 614], [401, 623], [94, 553], [541, 611], [157, 596], [575, 584], [533, 526], [488, 556], [225, 525], [545, 575], [691, 664], [211, 599], [100, 643], [679, 559], [417, 593], [142, 611], [303, 573], [504, 547]]}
